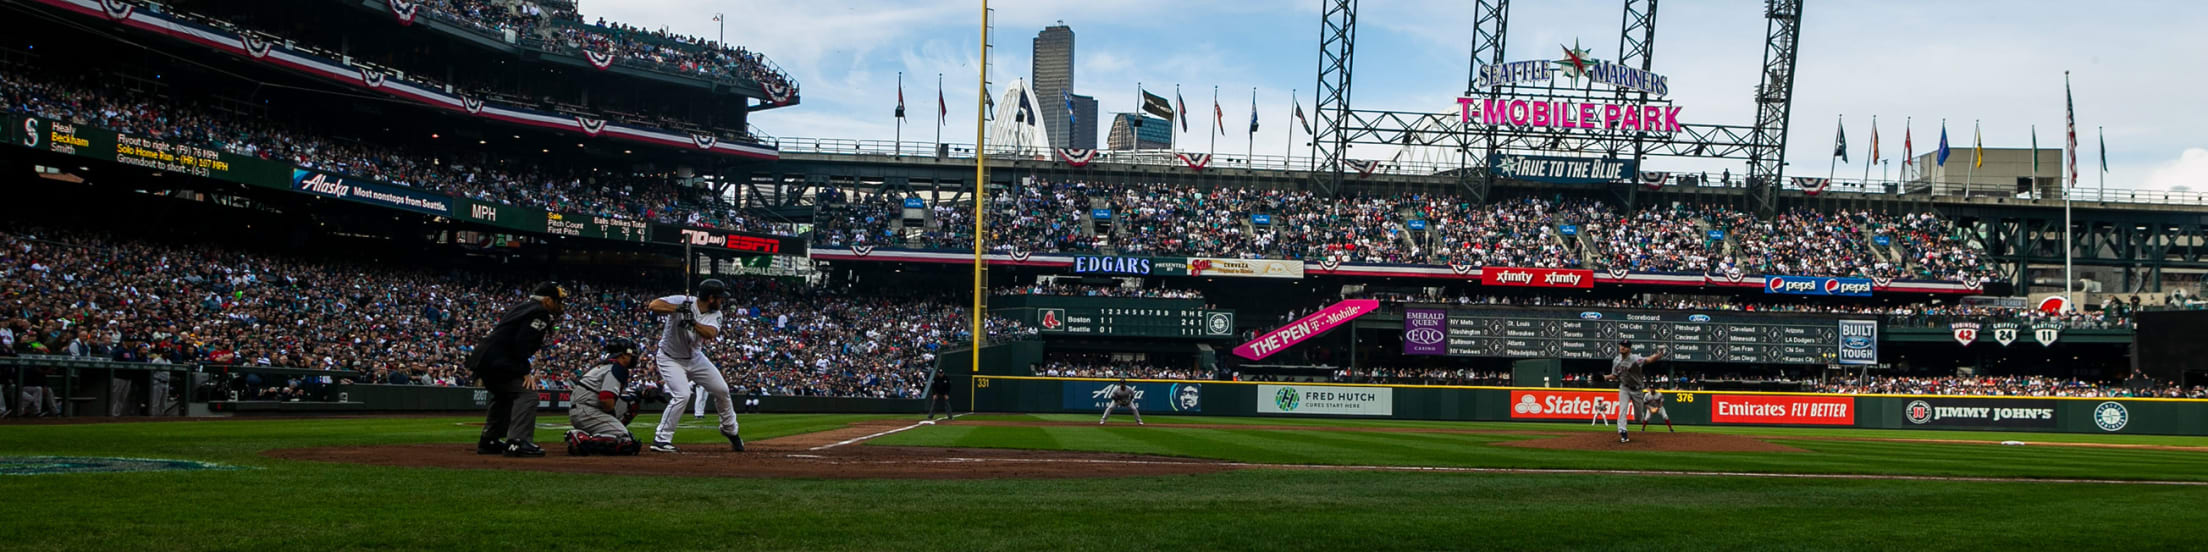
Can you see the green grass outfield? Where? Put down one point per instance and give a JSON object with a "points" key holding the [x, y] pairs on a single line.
{"points": [[278, 504]]}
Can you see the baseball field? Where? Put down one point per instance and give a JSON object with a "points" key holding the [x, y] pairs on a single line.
{"points": [[1051, 482]]}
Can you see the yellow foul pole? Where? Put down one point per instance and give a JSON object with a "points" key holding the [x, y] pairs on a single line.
{"points": [[981, 188]]}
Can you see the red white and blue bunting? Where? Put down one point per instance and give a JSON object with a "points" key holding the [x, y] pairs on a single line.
{"points": [[404, 10], [1195, 161], [1654, 180], [1364, 168], [1078, 157], [1812, 186]]}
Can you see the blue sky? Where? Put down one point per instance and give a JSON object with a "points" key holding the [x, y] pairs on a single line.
{"points": [[2133, 63]]}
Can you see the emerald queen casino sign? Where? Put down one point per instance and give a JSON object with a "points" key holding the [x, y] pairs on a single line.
{"points": [[1575, 65]]}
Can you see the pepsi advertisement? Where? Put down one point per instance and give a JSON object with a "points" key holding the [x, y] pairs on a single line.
{"points": [[1150, 396], [1817, 285]]}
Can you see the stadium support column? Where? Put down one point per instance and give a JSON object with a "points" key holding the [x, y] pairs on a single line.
{"points": [[1490, 24], [1636, 48], [1329, 140], [1774, 103]]}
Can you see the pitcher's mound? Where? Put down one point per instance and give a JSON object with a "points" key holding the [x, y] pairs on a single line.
{"points": [[1658, 441]]}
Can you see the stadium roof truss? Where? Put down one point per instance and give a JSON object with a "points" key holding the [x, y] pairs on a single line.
{"points": [[1762, 145]]}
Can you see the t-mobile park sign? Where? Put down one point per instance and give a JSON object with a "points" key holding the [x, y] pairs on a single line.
{"points": [[1575, 65]]}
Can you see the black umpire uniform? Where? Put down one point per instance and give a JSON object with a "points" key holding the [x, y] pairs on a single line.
{"points": [[939, 393], [501, 364]]}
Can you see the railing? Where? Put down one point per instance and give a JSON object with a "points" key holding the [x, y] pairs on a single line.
{"points": [[1874, 186], [1943, 320]]}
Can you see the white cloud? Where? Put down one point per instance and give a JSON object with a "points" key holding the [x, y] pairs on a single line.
{"points": [[2189, 171]]}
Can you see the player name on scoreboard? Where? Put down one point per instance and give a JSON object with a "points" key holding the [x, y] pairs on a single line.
{"points": [[1594, 333]]}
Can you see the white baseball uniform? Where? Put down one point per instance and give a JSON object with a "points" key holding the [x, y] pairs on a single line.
{"points": [[683, 368]]}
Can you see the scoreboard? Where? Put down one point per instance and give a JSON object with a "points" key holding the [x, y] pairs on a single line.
{"points": [[1690, 336], [1117, 321]]}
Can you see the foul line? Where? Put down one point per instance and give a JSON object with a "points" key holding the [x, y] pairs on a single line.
{"points": [[1565, 471], [859, 439]]}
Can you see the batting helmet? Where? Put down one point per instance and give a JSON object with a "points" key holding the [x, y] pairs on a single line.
{"points": [[620, 346], [712, 288]]}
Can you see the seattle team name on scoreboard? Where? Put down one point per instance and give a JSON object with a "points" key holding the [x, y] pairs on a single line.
{"points": [[1574, 65]]}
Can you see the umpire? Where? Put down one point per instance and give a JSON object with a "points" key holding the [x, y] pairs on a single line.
{"points": [[501, 363], [939, 393]]}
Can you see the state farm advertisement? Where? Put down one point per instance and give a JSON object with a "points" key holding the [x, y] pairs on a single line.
{"points": [[1563, 405], [1537, 277], [1781, 409]]}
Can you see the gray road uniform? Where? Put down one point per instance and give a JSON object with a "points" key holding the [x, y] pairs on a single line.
{"points": [[1122, 396], [592, 412], [1632, 386]]}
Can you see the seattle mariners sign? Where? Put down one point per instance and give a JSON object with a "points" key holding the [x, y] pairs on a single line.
{"points": [[1315, 399]]}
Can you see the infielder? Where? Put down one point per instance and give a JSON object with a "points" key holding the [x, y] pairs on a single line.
{"points": [[1122, 395], [599, 428], [1631, 384], [683, 366]]}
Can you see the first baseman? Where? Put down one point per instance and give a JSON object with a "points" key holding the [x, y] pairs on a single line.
{"points": [[1122, 395], [683, 366]]}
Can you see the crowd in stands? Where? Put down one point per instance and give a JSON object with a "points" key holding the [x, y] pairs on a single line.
{"points": [[473, 175], [1073, 290], [1102, 369], [363, 321], [1420, 376], [2111, 315], [1039, 215], [558, 27], [2009, 386]]}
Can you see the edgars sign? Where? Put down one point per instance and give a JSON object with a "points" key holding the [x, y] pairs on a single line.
{"points": [[1111, 265]]}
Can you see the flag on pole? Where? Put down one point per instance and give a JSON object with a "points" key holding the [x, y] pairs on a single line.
{"points": [[1072, 119], [1253, 114], [2104, 150], [2070, 129], [1183, 103], [1307, 123], [1943, 143], [1840, 142], [1977, 147], [942, 108], [1908, 147], [1218, 116], [900, 98], [2035, 151], [1874, 139], [1155, 105]]}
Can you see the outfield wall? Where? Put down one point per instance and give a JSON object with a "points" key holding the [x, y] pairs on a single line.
{"points": [[1468, 403]]}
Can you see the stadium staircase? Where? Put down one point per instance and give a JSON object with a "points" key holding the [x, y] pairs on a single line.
{"points": [[1725, 246], [1884, 254], [1088, 226], [1587, 255]]}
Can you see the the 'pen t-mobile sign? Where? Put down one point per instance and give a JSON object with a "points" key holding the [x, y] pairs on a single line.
{"points": [[1575, 65], [1306, 328]]}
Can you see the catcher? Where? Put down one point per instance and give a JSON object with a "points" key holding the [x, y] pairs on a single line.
{"points": [[601, 423]]}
